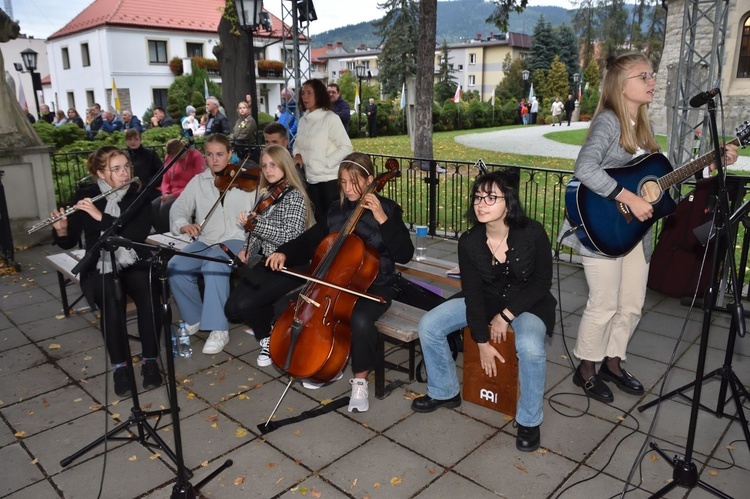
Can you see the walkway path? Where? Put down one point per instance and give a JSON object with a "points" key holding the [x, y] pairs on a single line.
{"points": [[533, 140]]}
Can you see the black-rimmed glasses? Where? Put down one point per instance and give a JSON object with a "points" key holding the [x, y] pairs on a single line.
{"points": [[645, 76], [489, 199]]}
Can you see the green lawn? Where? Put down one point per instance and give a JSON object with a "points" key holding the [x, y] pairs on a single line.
{"points": [[445, 147]]}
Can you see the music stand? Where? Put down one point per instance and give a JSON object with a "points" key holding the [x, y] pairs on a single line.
{"points": [[684, 472]]}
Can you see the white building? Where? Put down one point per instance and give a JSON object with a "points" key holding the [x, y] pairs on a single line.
{"points": [[133, 41], [12, 53]]}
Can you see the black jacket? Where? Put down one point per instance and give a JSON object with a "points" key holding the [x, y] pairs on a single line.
{"points": [[524, 288], [390, 239], [218, 124]]}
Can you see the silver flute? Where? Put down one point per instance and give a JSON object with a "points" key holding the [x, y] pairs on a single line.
{"points": [[70, 211]]}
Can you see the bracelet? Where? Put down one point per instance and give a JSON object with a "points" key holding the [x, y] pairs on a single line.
{"points": [[505, 317]]}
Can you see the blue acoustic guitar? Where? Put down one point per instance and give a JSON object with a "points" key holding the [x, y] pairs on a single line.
{"points": [[607, 226]]}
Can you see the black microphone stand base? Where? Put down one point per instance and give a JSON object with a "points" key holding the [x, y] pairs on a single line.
{"points": [[187, 491], [684, 474]]}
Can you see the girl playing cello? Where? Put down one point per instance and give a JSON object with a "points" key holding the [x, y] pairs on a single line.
{"points": [[381, 226], [286, 217]]}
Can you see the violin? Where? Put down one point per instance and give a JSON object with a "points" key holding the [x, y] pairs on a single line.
{"points": [[312, 338], [242, 177], [267, 199]]}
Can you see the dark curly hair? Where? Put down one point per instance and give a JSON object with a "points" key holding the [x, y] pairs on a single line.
{"points": [[322, 101], [505, 180]]}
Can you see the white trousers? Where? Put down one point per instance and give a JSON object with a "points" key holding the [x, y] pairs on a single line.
{"points": [[617, 290]]}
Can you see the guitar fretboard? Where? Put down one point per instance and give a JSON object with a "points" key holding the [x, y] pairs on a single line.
{"points": [[678, 175]]}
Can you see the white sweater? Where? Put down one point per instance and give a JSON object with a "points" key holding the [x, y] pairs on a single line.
{"points": [[323, 143], [198, 197]]}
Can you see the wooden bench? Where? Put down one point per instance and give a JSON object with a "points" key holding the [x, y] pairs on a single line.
{"points": [[63, 264], [399, 324]]}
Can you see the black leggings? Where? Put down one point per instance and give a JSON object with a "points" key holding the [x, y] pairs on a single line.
{"points": [[322, 195], [253, 304], [134, 283]]}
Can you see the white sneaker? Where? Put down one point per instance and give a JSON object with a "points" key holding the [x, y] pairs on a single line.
{"points": [[311, 385], [193, 328], [264, 357], [216, 342], [358, 401]]}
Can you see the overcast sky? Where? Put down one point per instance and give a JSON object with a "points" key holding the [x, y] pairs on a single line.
{"points": [[41, 18]]}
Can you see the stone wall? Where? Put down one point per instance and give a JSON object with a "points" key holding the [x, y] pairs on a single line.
{"points": [[735, 91]]}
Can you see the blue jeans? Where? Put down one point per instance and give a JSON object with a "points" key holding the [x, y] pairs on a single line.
{"points": [[442, 381], [183, 275]]}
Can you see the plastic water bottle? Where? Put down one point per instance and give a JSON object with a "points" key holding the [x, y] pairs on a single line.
{"points": [[420, 252], [175, 349], [183, 342]]}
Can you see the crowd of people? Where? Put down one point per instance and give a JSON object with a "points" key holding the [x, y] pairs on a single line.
{"points": [[318, 186]]}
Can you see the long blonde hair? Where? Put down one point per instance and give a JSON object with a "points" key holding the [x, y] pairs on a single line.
{"points": [[283, 160], [357, 164], [612, 98]]}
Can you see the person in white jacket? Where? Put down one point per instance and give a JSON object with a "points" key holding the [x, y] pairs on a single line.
{"points": [[197, 199], [320, 145]]}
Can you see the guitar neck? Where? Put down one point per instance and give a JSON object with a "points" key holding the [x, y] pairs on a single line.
{"points": [[688, 169]]}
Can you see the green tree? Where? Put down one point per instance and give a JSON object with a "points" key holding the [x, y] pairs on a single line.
{"points": [[592, 74], [655, 33], [543, 46], [503, 9], [399, 33], [586, 26], [557, 80], [511, 88], [446, 83], [567, 44], [189, 89], [613, 20]]}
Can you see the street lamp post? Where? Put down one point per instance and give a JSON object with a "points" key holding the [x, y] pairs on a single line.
{"points": [[29, 61], [248, 12], [575, 83], [360, 74], [525, 75]]}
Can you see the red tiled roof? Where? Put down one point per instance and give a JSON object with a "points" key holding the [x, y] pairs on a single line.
{"points": [[47, 80], [317, 53], [179, 15]]}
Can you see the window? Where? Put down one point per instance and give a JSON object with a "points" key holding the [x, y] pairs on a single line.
{"points": [[472, 80], [743, 68], [89, 98], [157, 52], [71, 100], [460, 67], [65, 58], [472, 58], [160, 97], [85, 60], [194, 49]]}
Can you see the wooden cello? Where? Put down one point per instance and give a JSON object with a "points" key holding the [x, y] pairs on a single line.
{"points": [[312, 337]]}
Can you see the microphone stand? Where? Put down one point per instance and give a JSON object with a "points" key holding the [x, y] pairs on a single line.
{"points": [[684, 472], [182, 488]]}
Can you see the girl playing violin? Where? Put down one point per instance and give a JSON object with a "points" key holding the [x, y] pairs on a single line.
{"points": [[198, 199], [111, 169], [282, 213], [381, 227]]}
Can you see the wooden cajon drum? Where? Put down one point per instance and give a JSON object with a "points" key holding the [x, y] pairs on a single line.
{"points": [[499, 393]]}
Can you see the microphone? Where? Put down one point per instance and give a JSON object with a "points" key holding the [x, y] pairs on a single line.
{"points": [[120, 242], [243, 270], [702, 98]]}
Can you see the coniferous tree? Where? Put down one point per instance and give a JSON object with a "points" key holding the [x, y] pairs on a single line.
{"points": [[655, 33], [398, 30], [567, 44], [503, 9], [614, 26], [543, 46], [586, 26], [558, 84], [446, 84]]}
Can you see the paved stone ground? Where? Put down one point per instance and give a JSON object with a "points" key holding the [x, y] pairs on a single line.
{"points": [[55, 397], [533, 140]]}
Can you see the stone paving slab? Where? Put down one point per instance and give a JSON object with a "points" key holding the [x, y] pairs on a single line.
{"points": [[52, 395]]}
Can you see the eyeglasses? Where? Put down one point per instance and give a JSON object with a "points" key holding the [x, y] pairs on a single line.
{"points": [[117, 169], [645, 76], [489, 199]]}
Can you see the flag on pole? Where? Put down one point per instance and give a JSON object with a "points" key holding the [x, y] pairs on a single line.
{"points": [[22, 98], [457, 97], [205, 88], [115, 97], [356, 98], [579, 93], [403, 95], [531, 91], [493, 97]]}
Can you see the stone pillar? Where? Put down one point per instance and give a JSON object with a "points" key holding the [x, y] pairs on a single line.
{"points": [[29, 191]]}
